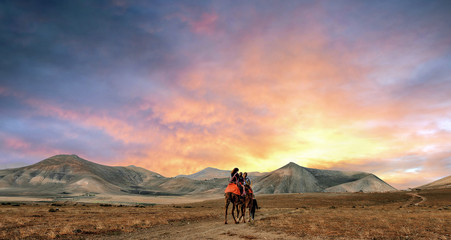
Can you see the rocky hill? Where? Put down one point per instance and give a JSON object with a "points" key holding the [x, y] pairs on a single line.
{"points": [[441, 183], [207, 174], [211, 173], [293, 178], [70, 174], [369, 183]]}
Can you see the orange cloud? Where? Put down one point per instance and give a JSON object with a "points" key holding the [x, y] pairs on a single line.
{"points": [[261, 98], [287, 100]]}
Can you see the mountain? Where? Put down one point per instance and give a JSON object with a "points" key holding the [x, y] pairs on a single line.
{"points": [[293, 178], [211, 173], [369, 183], [70, 174], [441, 183], [288, 179], [207, 174]]}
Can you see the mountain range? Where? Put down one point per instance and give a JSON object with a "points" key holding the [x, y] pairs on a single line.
{"points": [[441, 183], [210, 173], [70, 174]]}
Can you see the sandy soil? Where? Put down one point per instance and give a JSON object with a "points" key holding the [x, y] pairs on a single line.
{"points": [[423, 199], [216, 229], [24, 199], [393, 215], [117, 199], [124, 199], [415, 200], [205, 229]]}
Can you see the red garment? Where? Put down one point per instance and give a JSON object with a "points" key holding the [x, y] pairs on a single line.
{"points": [[233, 188]]}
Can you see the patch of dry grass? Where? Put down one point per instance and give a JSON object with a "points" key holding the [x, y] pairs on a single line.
{"points": [[71, 220], [309, 216], [362, 223], [358, 216]]}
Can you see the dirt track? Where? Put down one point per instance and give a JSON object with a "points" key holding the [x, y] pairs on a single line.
{"points": [[415, 200], [214, 228], [206, 229], [423, 199]]}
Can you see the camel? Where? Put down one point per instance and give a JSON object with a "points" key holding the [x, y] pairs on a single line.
{"points": [[248, 202], [235, 200]]}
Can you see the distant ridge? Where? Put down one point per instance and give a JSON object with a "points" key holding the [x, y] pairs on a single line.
{"points": [[70, 174], [369, 183], [290, 178], [211, 173], [441, 183], [207, 174], [293, 178]]}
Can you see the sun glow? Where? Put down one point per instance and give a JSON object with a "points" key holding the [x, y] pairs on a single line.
{"points": [[220, 84], [324, 148]]}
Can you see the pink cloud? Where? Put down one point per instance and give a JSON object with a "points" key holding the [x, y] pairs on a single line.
{"points": [[16, 144], [21, 147], [267, 95], [206, 24]]}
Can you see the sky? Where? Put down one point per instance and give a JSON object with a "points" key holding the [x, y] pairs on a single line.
{"points": [[178, 86]]}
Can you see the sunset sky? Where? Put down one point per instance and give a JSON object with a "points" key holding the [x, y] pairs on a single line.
{"points": [[178, 86]]}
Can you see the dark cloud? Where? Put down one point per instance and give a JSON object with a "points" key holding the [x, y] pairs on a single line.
{"points": [[431, 83], [160, 83], [79, 53], [44, 133]]}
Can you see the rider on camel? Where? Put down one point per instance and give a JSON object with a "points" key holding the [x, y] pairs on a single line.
{"points": [[240, 177], [235, 178], [242, 183], [247, 181]]}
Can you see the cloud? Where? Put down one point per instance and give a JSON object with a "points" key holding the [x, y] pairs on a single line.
{"points": [[204, 23], [405, 171], [177, 87]]}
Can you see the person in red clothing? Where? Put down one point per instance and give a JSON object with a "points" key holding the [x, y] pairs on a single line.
{"points": [[235, 178]]}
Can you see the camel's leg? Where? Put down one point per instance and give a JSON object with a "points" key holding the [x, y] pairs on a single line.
{"points": [[226, 207], [238, 214], [238, 210], [249, 206], [233, 212]]}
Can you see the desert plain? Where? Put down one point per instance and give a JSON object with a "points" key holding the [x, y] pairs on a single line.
{"points": [[420, 214]]}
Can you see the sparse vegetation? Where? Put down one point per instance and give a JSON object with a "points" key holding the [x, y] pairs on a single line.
{"points": [[381, 217], [71, 220], [312, 216]]}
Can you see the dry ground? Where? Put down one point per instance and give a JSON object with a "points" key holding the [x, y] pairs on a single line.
{"points": [[398, 215]]}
